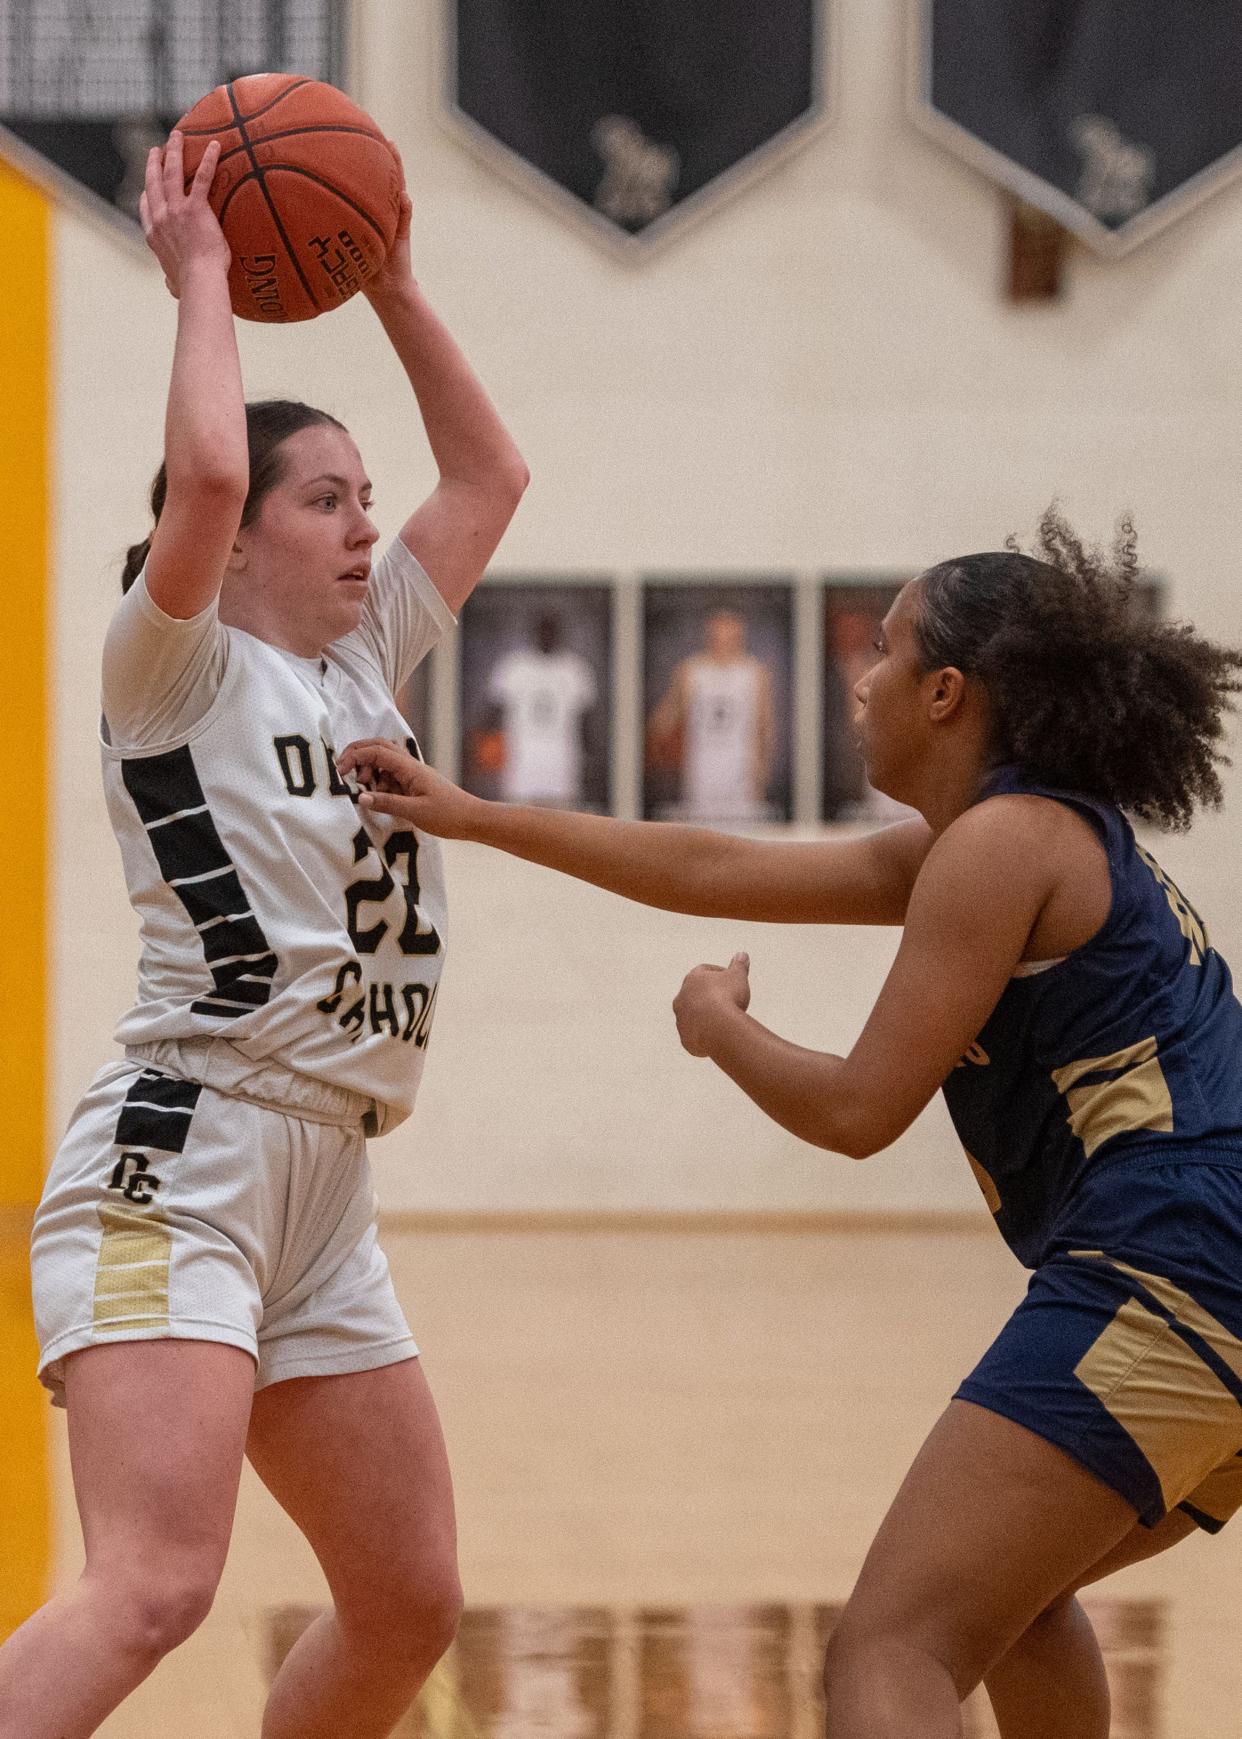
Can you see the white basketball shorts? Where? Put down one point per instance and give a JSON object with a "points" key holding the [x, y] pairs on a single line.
{"points": [[173, 1211]]}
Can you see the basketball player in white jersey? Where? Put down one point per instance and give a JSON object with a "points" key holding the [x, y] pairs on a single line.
{"points": [[206, 1274], [541, 694], [719, 702]]}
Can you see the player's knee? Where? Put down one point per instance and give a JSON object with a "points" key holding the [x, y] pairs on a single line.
{"points": [[153, 1616], [412, 1616], [865, 1653], [440, 1614], [844, 1659]]}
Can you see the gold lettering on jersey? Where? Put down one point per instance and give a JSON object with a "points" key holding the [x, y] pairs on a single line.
{"points": [[983, 1178], [1132, 1094], [974, 1054], [1188, 920]]}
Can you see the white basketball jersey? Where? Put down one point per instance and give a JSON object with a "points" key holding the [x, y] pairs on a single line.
{"points": [[274, 912], [719, 773], [544, 695]]}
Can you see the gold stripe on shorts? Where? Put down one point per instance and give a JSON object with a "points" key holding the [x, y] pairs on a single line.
{"points": [[131, 1273], [1157, 1388]]}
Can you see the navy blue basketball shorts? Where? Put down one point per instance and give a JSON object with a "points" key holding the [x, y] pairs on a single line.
{"points": [[1127, 1350]]}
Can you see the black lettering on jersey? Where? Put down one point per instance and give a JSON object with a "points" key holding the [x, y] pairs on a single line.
{"points": [[420, 1008], [418, 934], [367, 890], [336, 785], [423, 1030], [375, 1008], [416, 999], [294, 755], [193, 860], [130, 1175], [352, 1021], [383, 1010], [348, 973], [297, 757]]}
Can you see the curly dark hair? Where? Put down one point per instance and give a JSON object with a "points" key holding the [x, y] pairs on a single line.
{"points": [[1088, 692]]}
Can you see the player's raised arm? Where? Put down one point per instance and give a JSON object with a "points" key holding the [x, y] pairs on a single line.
{"points": [[680, 869], [205, 426], [482, 474]]}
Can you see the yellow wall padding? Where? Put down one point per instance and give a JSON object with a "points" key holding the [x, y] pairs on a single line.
{"points": [[25, 797]]}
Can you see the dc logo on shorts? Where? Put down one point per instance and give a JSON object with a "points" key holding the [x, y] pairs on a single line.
{"points": [[131, 1177]]}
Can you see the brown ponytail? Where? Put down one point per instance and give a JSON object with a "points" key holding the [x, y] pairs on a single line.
{"points": [[135, 560]]}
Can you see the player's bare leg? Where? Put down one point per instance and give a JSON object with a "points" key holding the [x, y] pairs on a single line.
{"points": [[1052, 1684], [990, 1527], [157, 1431], [358, 1462]]}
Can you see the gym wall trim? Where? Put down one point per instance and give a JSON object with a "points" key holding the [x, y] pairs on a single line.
{"points": [[26, 217]]}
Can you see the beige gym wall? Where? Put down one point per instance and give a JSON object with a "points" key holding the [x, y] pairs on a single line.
{"points": [[820, 375]]}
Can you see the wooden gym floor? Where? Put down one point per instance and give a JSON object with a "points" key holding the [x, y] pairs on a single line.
{"points": [[643, 1421]]}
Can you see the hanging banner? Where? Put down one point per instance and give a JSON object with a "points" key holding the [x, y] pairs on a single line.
{"points": [[1113, 116], [88, 86], [635, 113]]}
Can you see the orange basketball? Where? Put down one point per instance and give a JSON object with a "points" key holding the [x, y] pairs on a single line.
{"points": [[307, 190]]}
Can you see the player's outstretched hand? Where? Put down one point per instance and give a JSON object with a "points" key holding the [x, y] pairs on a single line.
{"points": [[708, 993], [395, 783], [180, 227]]}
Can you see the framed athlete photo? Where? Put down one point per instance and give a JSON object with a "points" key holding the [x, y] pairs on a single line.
{"points": [[717, 691], [853, 609], [536, 692]]}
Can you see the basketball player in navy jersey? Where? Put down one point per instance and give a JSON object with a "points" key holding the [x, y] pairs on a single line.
{"points": [[207, 1279], [1056, 985]]}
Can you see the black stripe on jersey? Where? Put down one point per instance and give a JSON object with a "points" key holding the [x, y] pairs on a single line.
{"points": [[194, 862], [227, 938], [247, 981], [219, 896], [157, 1112], [189, 846], [240, 986], [163, 785]]}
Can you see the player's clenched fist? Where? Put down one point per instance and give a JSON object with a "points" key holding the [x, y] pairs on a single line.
{"points": [[709, 994], [396, 783]]}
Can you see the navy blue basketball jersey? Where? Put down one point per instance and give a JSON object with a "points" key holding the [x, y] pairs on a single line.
{"points": [[1133, 1041]]}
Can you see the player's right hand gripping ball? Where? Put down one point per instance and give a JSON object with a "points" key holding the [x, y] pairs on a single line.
{"points": [[307, 191]]}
